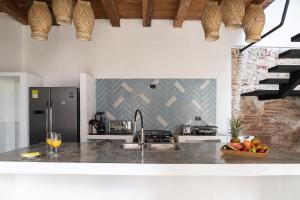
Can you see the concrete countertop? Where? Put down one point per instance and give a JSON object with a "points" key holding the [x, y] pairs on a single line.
{"points": [[109, 158]]}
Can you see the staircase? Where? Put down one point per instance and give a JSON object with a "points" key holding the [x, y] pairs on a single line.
{"points": [[286, 86]]}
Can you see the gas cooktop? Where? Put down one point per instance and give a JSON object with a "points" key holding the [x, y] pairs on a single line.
{"points": [[157, 136]]}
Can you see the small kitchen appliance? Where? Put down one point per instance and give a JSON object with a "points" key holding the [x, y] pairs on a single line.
{"points": [[98, 125], [199, 127], [120, 127]]}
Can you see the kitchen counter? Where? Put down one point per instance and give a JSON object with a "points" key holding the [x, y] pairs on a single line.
{"points": [[107, 158]]}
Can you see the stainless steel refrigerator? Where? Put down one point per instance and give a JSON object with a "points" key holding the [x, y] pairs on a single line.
{"points": [[54, 110]]}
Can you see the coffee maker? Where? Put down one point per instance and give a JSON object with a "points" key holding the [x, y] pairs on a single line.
{"points": [[98, 124]]}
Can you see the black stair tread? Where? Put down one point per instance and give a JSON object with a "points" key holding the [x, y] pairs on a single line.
{"points": [[274, 81], [260, 92], [296, 38], [292, 53], [284, 68], [269, 92], [277, 96]]}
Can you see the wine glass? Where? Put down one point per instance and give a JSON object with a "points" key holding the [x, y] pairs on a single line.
{"points": [[49, 139], [56, 143]]}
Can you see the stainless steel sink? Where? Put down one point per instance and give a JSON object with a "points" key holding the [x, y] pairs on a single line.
{"points": [[152, 147], [165, 147]]}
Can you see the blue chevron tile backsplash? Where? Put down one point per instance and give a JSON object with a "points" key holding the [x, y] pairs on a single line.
{"points": [[165, 103]]}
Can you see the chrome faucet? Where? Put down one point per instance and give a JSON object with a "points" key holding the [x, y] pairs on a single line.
{"points": [[142, 140]]}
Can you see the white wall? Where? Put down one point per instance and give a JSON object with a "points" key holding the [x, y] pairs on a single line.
{"points": [[11, 44], [87, 103]]}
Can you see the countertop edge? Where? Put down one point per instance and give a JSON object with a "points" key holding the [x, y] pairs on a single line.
{"points": [[139, 169]]}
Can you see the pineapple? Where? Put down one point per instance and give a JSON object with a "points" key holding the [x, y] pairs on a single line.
{"points": [[236, 126]]}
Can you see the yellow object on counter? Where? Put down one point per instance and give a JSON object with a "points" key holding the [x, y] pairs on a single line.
{"points": [[30, 154]]}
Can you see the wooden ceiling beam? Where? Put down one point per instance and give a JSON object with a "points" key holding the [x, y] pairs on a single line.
{"points": [[178, 10], [181, 12], [147, 12], [11, 9], [110, 9]]}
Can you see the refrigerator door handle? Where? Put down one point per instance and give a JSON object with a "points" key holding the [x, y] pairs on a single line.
{"points": [[50, 116], [47, 116]]}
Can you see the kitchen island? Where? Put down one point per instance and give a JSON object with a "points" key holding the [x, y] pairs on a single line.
{"points": [[193, 169]]}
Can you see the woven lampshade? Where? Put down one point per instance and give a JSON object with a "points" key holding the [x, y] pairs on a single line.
{"points": [[84, 20], [63, 11], [40, 20], [211, 21], [254, 22], [233, 12]]}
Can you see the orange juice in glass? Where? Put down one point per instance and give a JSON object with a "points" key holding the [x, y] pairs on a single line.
{"points": [[49, 141], [56, 143], [49, 138]]}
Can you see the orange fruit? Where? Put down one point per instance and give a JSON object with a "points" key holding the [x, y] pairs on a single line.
{"points": [[247, 144]]}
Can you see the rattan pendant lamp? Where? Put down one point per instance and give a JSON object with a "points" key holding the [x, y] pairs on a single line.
{"points": [[233, 12], [63, 11], [40, 20], [84, 20], [211, 21], [254, 22]]}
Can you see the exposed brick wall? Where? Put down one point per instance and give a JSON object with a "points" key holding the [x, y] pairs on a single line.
{"points": [[275, 122]]}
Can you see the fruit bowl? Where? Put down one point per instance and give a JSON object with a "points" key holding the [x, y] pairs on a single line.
{"points": [[252, 149], [243, 153]]}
